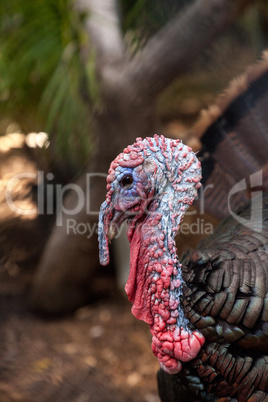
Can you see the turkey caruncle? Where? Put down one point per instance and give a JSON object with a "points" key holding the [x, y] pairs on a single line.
{"points": [[208, 315]]}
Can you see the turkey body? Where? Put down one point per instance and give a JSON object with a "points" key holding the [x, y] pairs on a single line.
{"points": [[208, 313], [225, 297], [225, 290], [225, 286]]}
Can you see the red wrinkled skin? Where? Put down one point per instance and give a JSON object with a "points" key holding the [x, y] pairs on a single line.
{"points": [[148, 288]]}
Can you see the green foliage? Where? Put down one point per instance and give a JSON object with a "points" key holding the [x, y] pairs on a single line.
{"points": [[42, 73], [144, 17]]}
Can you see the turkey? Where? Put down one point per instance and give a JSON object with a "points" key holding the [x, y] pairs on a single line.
{"points": [[208, 312]]}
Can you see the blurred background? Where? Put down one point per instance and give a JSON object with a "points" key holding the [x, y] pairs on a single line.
{"points": [[66, 330]]}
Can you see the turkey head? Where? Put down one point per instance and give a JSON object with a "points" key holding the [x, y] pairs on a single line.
{"points": [[151, 185]]}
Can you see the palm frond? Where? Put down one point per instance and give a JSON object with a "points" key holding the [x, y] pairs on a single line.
{"points": [[40, 67]]}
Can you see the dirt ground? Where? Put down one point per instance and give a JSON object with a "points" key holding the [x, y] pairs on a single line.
{"points": [[100, 354]]}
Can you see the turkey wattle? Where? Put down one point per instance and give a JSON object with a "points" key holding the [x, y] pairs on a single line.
{"points": [[151, 185]]}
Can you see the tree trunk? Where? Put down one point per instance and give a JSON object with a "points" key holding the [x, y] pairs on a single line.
{"points": [[70, 258]]}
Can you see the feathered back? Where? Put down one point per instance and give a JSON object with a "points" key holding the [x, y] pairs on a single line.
{"points": [[225, 290], [234, 137]]}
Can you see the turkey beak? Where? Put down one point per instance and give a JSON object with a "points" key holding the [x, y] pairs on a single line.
{"points": [[115, 223], [111, 233]]}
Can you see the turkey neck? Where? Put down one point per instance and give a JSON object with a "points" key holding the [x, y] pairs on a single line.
{"points": [[154, 288]]}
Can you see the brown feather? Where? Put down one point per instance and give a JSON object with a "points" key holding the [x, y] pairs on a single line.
{"points": [[225, 289]]}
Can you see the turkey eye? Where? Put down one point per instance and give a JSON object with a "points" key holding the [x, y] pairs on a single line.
{"points": [[127, 181]]}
